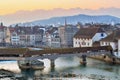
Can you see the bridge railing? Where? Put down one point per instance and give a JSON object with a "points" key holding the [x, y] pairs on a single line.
{"points": [[26, 52], [12, 51], [68, 50]]}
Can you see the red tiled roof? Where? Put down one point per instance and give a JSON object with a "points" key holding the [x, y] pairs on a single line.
{"points": [[11, 30], [2, 27]]}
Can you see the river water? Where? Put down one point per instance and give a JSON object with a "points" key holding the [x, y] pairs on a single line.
{"points": [[94, 70]]}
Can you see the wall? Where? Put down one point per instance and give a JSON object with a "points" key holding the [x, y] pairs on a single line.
{"points": [[55, 42], [82, 42], [118, 47], [15, 40], [106, 43], [32, 39], [7, 36], [61, 31]]}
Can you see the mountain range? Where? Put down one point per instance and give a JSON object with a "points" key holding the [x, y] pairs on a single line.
{"points": [[74, 20], [25, 16]]}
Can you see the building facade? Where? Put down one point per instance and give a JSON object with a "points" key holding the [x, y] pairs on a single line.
{"points": [[3, 36], [85, 37], [52, 38], [66, 34], [112, 40], [55, 41], [26, 36]]}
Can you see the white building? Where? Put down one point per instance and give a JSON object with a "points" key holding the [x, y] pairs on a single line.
{"points": [[15, 40], [55, 41], [112, 40], [85, 37], [52, 39], [48, 39]]}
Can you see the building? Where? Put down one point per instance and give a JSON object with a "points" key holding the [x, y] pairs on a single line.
{"points": [[7, 39], [3, 31], [26, 36], [52, 38], [15, 39], [55, 40], [66, 34], [85, 37], [112, 40]]}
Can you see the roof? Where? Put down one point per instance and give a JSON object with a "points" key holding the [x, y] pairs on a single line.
{"points": [[88, 32], [26, 30], [2, 28], [112, 37], [11, 29], [52, 30]]}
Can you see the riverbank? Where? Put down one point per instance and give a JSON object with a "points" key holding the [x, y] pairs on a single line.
{"points": [[6, 75], [105, 59], [10, 66]]}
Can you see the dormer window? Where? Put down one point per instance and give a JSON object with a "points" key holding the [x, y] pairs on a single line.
{"points": [[102, 34]]}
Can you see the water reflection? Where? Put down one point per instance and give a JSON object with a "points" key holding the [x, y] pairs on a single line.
{"points": [[71, 66]]}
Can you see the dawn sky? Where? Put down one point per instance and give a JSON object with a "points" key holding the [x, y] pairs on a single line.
{"points": [[11, 6]]}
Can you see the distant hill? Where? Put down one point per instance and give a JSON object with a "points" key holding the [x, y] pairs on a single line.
{"points": [[74, 19]]}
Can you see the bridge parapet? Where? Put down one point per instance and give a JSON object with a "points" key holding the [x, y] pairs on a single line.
{"points": [[25, 52], [68, 50], [12, 51]]}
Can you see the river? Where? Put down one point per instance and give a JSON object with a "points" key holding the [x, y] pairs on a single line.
{"points": [[94, 70]]}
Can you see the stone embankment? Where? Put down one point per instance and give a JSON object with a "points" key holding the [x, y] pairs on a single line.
{"points": [[106, 59], [8, 75]]}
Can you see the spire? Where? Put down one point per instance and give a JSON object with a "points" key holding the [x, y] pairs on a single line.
{"points": [[65, 22]]}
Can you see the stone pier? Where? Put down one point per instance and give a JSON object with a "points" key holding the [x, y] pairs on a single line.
{"points": [[83, 60], [52, 63]]}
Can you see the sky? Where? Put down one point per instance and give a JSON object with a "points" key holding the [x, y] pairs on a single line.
{"points": [[20, 11], [12, 6]]}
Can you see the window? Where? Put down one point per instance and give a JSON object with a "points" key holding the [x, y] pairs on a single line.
{"points": [[76, 42], [106, 43], [102, 34], [83, 43], [88, 44]]}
